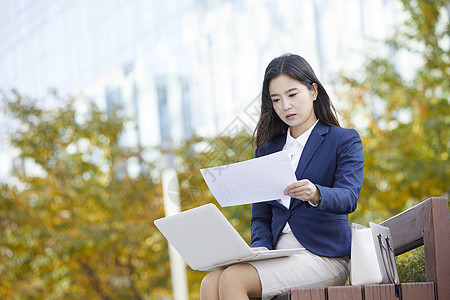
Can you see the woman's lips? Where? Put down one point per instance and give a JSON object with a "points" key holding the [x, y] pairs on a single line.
{"points": [[290, 116]]}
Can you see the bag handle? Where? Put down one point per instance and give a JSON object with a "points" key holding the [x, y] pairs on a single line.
{"points": [[388, 256], [392, 260]]}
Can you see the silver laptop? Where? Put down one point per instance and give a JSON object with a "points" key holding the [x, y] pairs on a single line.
{"points": [[207, 241]]}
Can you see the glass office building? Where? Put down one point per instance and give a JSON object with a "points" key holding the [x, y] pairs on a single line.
{"points": [[178, 67]]}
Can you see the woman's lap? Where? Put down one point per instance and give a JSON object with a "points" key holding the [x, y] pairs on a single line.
{"points": [[274, 276], [301, 270]]}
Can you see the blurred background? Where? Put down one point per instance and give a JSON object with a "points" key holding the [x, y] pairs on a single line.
{"points": [[100, 99]]}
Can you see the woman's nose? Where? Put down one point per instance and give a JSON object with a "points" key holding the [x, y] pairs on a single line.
{"points": [[287, 104]]}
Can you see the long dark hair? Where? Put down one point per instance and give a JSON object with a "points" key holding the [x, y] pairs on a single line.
{"points": [[270, 125]]}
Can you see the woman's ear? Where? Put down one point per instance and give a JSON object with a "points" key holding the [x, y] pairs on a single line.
{"points": [[315, 91]]}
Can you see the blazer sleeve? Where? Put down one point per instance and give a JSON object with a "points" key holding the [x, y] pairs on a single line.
{"points": [[342, 197], [261, 226]]}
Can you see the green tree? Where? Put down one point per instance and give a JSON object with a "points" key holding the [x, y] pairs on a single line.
{"points": [[404, 120], [78, 226]]}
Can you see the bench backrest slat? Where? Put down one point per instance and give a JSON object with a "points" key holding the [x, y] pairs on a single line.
{"points": [[426, 224]]}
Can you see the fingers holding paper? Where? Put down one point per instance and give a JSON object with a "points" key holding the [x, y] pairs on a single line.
{"points": [[304, 190]]}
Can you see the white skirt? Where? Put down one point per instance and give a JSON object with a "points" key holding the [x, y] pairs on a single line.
{"points": [[300, 270]]}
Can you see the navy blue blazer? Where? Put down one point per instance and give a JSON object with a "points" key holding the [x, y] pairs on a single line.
{"points": [[332, 160]]}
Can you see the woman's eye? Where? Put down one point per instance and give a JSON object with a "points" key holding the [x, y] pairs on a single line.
{"points": [[292, 95], [275, 100]]}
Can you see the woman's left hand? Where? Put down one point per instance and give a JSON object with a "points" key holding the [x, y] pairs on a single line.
{"points": [[304, 190]]}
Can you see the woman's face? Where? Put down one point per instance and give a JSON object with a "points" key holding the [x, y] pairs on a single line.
{"points": [[293, 103]]}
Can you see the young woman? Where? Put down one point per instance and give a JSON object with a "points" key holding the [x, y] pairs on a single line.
{"points": [[298, 116]]}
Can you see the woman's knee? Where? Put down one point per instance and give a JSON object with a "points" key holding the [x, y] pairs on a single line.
{"points": [[209, 288], [240, 278], [230, 276]]}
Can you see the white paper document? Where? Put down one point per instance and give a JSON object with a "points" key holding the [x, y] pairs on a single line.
{"points": [[255, 180]]}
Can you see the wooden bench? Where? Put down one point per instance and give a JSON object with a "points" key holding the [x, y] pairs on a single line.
{"points": [[425, 224]]}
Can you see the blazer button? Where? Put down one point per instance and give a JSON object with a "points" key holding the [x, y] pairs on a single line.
{"points": [[288, 213]]}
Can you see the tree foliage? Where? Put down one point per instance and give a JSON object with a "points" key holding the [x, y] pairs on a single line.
{"points": [[76, 225], [404, 119]]}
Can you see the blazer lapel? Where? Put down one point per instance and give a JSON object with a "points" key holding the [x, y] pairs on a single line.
{"points": [[315, 139]]}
